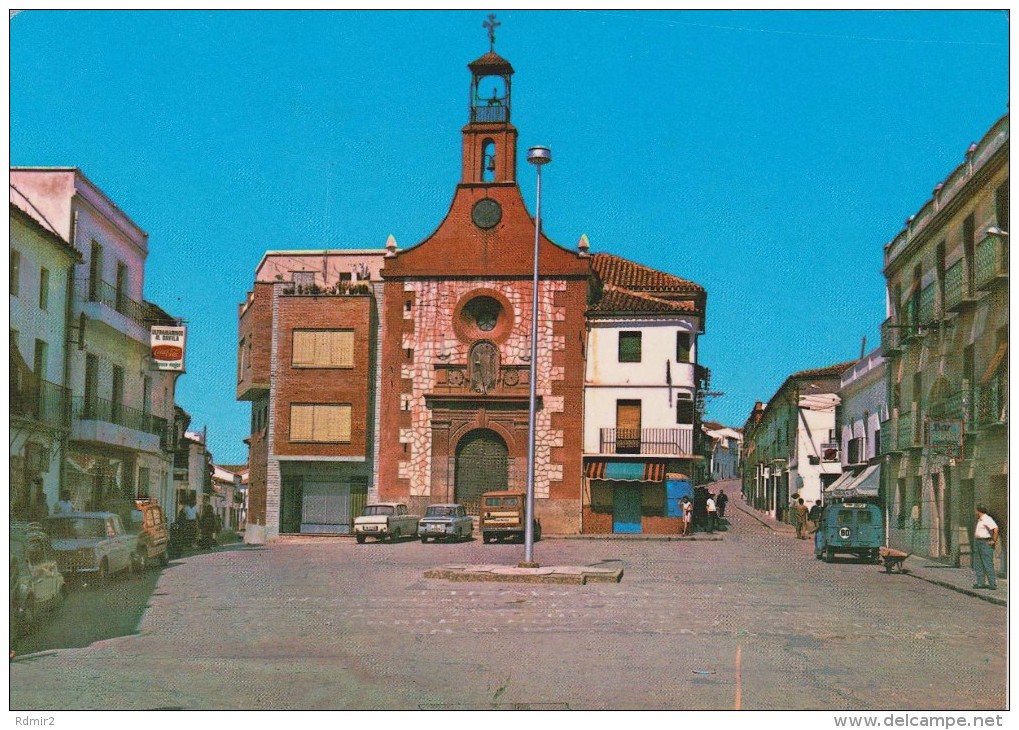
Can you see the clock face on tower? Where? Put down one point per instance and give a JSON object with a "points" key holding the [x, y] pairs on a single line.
{"points": [[486, 213]]}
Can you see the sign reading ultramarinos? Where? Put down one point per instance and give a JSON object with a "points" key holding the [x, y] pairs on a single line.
{"points": [[168, 348]]}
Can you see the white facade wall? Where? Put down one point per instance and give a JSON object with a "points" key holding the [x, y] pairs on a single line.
{"points": [[814, 428], [864, 392], [82, 214], [607, 380], [30, 322]]}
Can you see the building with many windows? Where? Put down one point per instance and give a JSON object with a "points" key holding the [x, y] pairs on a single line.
{"points": [[41, 272], [120, 412], [946, 345], [791, 445], [641, 388]]}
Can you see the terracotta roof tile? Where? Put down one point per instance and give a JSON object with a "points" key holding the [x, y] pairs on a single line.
{"points": [[826, 372], [637, 277], [490, 61], [616, 299]]}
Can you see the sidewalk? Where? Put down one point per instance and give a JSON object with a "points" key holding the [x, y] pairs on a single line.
{"points": [[947, 576]]}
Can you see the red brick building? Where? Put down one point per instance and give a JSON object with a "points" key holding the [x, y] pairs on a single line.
{"points": [[402, 375]]}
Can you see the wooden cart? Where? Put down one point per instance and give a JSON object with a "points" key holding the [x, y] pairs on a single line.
{"points": [[892, 559]]}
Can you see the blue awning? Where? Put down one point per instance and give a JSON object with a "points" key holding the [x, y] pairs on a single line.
{"points": [[626, 471]]}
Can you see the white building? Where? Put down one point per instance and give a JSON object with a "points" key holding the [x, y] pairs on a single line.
{"points": [[640, 393], [121, 409], [726, 450], [42, 268]]}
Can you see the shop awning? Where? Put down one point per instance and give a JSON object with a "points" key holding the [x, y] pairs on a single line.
{"points": [[626, 471], [861, 483]]}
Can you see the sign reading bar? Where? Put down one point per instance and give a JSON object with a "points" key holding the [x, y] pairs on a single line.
{"points": [[168, 348], [945, 435]]}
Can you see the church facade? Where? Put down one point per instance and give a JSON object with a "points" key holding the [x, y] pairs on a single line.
{"points": [[415, 387]]}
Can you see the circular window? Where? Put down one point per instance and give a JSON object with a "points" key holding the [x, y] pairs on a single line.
{"points": [[483, 312]]}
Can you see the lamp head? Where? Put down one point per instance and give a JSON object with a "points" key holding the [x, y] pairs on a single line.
{"points": [[539, 155]]}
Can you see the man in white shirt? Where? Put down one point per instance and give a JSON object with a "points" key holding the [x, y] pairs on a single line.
{"points": [[985, 537], [712, 513]]}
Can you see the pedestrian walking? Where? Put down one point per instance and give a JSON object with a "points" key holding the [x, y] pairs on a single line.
{"points": [[687, 506], [802, 515], [190, 523], [985, 537], [815, 515], [712, 512], [206, 526], [721, 501]]}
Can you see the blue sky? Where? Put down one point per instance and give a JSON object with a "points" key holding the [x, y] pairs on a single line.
{"points": [[767, 156]]}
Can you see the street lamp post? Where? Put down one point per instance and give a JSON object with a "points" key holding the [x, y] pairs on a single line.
{"points": [[537, 156]]}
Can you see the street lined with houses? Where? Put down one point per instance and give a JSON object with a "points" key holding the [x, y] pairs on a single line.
{"points": [[324, 623]]}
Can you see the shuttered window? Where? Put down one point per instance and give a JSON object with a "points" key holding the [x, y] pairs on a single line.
{"points": [[323, 349], [325, 423]]}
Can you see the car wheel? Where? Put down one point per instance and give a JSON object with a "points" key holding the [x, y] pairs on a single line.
{"points": [[829, 555], [164, 557], [104, 572], [486, 538], [424, 540], [140, 563], [396, 535], [360, 538]]}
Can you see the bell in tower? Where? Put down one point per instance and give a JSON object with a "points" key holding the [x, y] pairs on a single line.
{"points": [[489, 138]]}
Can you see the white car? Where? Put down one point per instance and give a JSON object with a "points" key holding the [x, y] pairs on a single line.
{"points": [[91, 543], [385, 521], [36, 583], [445, 521]]}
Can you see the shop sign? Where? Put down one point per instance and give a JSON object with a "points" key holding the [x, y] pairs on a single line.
{"points": [[168, 348]]}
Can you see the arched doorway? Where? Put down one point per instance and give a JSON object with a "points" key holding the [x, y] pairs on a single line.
{"points": [[482, 465]]}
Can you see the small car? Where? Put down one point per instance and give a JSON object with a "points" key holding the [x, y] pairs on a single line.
{"points": [[385, 521], [91, 544], [445, 521], [856, 528], [503, 516], [148, 523], [37, 585]]}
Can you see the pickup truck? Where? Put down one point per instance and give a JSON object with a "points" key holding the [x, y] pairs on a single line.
{"points": [[385, 520]]}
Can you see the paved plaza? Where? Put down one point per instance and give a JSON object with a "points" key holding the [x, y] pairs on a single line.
{"points": [[329, 624]]}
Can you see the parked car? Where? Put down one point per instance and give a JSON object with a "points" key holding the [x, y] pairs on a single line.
{"points": [[856, 528], [503, 516], [91, 544], [37, 585], [148, 523], [446, 521], [385, 520]]}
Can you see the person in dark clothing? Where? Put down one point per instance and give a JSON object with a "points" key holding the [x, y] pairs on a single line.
{"points": [[206, 526], [720, 501], [815, 515]]}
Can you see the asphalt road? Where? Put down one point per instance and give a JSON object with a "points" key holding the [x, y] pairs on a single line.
{"points": [[328, 624]]}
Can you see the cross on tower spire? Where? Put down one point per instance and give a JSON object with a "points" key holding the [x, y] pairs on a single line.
{"points": [[491, 24]]}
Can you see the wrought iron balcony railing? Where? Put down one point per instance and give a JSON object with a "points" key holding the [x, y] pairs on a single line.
{"points": [[991, 261], [108, 295], [44, 402], [676, 441], [993, 406], [99, 409]]}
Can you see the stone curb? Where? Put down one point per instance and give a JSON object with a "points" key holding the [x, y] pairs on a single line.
{"points": [[561, 574], [989, 597]]}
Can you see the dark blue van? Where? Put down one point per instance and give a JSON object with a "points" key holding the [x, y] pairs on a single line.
{"points": [[854, 528]]}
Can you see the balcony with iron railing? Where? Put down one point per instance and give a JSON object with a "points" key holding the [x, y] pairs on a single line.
{"points": [[888, 441], [906, 435], [104, 302], [991, 262], [891, 340], [647, 441], [106, 422], [43, 402], [992, 407], [957, 294], [492, 114]]}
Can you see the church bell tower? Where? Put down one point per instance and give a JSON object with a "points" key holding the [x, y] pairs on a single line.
{"points": [[489, 140]]}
